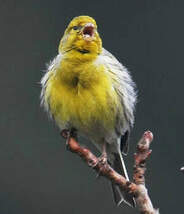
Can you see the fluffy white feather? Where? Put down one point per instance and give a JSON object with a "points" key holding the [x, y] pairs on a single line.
{"points": [[123, 84]]}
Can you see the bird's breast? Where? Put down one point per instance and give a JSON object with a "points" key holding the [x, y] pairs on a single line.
{"points": [[85, 99]]}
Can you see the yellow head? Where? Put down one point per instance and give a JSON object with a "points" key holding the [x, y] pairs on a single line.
{"points": [[81, 39]]}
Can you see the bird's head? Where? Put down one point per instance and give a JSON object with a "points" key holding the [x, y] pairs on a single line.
{"points": [[81, 38]]}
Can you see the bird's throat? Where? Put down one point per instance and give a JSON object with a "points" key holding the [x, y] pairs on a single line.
{"points": [[83, 74]]}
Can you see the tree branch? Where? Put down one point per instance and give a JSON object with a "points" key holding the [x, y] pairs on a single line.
{"points": [[136, 188]]}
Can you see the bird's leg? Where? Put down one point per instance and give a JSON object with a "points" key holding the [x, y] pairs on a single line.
{"points": [[103, 158]]}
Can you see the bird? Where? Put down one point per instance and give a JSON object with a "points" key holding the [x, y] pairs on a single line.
{"points": [[86, 89]]}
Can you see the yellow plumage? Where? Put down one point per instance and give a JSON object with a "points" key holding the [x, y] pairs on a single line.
{"points": [[87, 89], [80, 91], [82, 95]]}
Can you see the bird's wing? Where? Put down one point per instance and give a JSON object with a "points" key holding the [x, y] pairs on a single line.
{"points": [[51, 68], [125, 88]]}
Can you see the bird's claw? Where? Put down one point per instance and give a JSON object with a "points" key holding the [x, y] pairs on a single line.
{"points": [[65, 133], [92, 163], [103, 159]]}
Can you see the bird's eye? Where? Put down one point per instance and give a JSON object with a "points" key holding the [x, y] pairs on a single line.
{"points": [[75, 27]]}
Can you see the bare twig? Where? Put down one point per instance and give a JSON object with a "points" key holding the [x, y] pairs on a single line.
{"points": [[136, 188], [143, 201]]}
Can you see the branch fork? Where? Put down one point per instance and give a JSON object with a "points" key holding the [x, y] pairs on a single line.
{"points": [[137, 187]]}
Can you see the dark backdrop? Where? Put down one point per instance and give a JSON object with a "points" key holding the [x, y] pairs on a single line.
{"points": [[37, 174]]}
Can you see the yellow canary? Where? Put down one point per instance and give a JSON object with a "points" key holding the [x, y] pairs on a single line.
{"points": [[87, 89]]}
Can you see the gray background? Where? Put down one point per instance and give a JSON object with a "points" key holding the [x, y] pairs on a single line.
{"points": [[37, 174]]}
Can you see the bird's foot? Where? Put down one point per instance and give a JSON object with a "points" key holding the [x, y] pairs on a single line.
{"points": [[65, 133], [92, 163], [73, 133], [103, 161]]}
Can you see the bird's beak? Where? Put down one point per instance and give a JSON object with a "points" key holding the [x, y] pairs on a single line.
{"points": [[88, 32]]}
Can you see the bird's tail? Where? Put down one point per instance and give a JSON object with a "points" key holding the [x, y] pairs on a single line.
{"points": [[118, 193]]}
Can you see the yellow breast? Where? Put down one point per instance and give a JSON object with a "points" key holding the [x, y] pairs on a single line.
{"points": [[82, 96]]}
